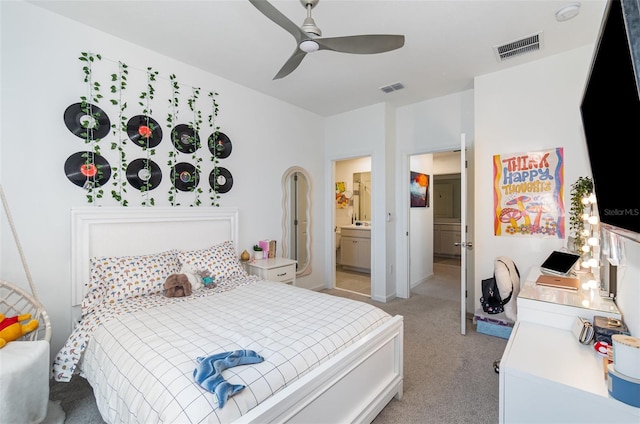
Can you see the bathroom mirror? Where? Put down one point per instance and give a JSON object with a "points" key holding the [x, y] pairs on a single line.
{"points": [[296, 218], [362, 196]]}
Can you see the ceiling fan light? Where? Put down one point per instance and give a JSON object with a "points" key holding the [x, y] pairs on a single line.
{"points": [[309, 46]]}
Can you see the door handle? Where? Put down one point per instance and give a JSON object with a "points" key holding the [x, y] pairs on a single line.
{"points": [[467, 244]]}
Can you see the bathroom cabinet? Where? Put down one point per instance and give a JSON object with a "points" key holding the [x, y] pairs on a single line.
{"points": [[355, 249], [445, 235]]}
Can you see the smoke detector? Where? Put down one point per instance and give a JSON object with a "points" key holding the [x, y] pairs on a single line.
{"points": [[567, 12]]}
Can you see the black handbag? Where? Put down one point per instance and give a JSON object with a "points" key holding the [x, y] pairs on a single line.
{"points": [[491, 301]]}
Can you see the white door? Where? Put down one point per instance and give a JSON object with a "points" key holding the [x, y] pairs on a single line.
{"points": [[464, 244]]}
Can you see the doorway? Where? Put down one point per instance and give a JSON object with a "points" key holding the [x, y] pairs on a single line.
{"points": [[352, 229], [446, 215], [435, 260]]}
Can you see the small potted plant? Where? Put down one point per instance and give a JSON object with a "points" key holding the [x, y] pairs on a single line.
{"points": [[258, 254], [580, 190]]}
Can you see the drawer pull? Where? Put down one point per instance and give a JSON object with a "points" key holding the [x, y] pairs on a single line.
{"points": [[280, 275]]}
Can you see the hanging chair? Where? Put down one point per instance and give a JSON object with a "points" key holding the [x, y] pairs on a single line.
{"points": [[15, 301]]}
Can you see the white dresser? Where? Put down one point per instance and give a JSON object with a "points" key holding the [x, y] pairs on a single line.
{"points": [[546, 375], [274, 269]]}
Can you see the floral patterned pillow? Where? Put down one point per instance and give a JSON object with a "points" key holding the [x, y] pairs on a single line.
{"points": [[114, 279], [220, 260]]}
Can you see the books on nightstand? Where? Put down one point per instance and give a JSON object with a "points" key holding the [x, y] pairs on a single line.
{"points": [[269, 248]]}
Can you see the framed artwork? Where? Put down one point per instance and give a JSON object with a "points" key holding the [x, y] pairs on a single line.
{"points": [[419, 190], [342, 200]]}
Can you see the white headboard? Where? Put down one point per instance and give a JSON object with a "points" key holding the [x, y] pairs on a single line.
{"points": [[120, 231]]}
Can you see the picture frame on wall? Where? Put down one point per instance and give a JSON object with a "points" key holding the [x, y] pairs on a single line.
{"points": [[419, 190]]}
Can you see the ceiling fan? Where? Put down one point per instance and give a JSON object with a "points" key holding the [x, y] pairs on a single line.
{"points": [[309, 37]]}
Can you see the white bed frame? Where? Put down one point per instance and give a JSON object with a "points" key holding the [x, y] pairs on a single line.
{"points": [[354, 386]]}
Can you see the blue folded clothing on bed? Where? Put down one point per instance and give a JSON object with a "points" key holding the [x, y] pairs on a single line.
{"points": [[208, 373]]}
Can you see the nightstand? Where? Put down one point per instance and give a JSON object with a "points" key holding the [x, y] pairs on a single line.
{"points": [[274, 269]]}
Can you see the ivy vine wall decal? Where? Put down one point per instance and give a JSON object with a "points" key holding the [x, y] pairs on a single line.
{"points": [[118, 86], [137, 98]]}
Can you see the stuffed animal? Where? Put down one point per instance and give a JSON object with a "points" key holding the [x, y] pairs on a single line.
{"points": [[193, 276], [177, 285], [11, 329]]}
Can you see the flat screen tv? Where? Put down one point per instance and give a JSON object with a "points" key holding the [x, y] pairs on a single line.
{"points": [[610, 112]]}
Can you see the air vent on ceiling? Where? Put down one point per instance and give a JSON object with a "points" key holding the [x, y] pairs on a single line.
{"points": [[525, 45], [393, 87]]}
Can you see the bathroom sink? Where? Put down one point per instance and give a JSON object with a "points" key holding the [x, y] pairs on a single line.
{"points": [[363, 226]]}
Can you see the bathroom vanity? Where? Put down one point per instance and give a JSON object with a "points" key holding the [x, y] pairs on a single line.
{"points": [[355, 248], [445, 235]]}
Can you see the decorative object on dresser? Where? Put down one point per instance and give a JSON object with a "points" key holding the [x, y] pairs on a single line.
{"points": [[258, 253], [244, 256], [583, 330], [606, 327]]}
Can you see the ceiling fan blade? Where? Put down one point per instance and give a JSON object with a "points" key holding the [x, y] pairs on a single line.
{"points": [[276, 16], [291, 64], [361, 44]]}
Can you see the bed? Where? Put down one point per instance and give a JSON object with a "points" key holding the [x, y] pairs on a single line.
{"points": [[322, 358]]}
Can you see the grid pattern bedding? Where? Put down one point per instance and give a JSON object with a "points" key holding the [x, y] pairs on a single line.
{"points": [[141, 364]]}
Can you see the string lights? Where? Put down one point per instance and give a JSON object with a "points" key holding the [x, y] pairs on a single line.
{"points": [[591, 247]]}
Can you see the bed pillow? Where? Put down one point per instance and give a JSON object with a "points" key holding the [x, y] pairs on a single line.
{"points": [[114, 279], [220, 260]]}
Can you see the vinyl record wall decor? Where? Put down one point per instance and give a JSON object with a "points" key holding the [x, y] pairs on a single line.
{"points": [[121, 116]]}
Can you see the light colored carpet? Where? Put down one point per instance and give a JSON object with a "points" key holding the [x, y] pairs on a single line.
{"points": [[55, 414], [448, 377]]}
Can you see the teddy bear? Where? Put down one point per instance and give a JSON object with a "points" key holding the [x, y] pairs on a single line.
{"points": [[11, 328], [193, 276], [177, 285]]}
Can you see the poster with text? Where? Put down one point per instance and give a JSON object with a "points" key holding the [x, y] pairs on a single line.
{"points": [[528, 194]]}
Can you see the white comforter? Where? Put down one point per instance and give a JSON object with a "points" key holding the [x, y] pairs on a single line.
{"points": [[141, 364]]}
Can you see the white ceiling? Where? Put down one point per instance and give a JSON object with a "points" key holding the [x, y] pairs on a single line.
{"points": [[447, 43]]}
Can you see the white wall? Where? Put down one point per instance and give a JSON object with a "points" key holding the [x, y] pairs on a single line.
{"points": [[362, 132], [41, 76], [447, 164], [431, 126], [526, 108], [421, 224]]}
